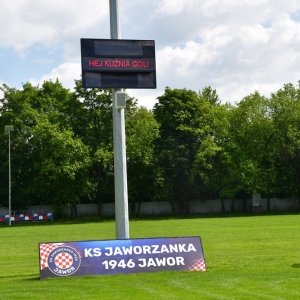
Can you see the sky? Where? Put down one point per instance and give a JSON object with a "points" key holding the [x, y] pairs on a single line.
{"points": [[236, 47]]}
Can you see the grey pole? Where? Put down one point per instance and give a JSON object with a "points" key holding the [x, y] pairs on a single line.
{"points": [[120, 169], [9, 180], [8, 129], [115, 32]]}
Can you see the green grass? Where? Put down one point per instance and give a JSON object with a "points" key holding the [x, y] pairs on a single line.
{"points": [[248, 257]]}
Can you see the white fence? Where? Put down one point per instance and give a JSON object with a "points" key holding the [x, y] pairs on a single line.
{"points": [[160, 208], [209, 206]]}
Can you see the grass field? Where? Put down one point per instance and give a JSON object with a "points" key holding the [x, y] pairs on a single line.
{"points": [[254, 257]]}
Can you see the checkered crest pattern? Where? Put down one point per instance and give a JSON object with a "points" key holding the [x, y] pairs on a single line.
{"points": [[63, 260], [198, 265], [45, 250]]}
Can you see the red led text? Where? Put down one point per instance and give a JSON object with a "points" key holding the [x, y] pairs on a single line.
{"points": [[118, 63]]}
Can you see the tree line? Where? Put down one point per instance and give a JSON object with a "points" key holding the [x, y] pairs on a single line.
{"points": [[190, 146]]}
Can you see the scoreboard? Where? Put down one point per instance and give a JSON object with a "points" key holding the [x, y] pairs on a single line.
{"points": [[108, 63]]}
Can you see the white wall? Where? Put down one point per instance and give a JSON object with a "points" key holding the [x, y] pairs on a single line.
{"points": [[158, 208], [209, 206]]}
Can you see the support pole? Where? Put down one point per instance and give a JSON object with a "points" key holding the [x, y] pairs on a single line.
{"points": [[9, 181], [8, 129], [120, 169]]}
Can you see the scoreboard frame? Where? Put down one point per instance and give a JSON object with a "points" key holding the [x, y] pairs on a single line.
{"points": [[118, 63]]}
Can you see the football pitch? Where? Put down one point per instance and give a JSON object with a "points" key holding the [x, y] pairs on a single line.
{"points": [[247, 257]]}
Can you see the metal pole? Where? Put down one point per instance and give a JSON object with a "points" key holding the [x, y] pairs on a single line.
{"points": [[115, 32], [9, 181], [120, 169]]}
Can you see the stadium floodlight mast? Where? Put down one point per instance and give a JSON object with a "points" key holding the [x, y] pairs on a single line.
{"points": [[8, 129], [120, 168]]}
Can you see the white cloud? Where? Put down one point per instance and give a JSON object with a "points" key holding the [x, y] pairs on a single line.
{"points": [[237, 53], [236, 47], [168, 7], [188, 60], [235, 92], [146, 98], [27, 22], [66, 73]]}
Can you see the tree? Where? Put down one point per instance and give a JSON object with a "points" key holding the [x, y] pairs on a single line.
{"points": [[285, 112], [92, 120], [182, 117], [90, 112], [213, 159], [141, 132], [252, 132], [37, 114], [61, 165], [17, 109]]}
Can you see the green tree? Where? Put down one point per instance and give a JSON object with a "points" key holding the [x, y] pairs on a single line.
{"points": [[61, 165], [252, 132], [29, 110], [285, 112], [183, 119], [91, 113], [213, 159], [17, 110], [143, 177]]}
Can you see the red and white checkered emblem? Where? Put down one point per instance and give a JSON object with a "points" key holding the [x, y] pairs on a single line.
{"points": [[198, 265], [45, 250], [60, 259], [63, 260]]}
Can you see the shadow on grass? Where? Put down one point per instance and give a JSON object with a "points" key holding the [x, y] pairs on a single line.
{"points": [[33, 277], [296, 266]]}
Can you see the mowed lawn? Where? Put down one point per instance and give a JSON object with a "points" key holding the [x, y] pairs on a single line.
{"points": [[254, 257]]}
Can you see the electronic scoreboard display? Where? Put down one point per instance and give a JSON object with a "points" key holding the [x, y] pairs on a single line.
{"points": [[108, 63]]}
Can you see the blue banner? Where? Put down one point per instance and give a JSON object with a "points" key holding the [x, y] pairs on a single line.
{"points": [[120, 256]]}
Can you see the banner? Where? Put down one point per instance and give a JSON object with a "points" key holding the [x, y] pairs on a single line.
{"points": [[120, 256]]}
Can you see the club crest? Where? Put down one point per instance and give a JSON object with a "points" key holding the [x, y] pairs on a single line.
{"points": [[64, 261]]}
